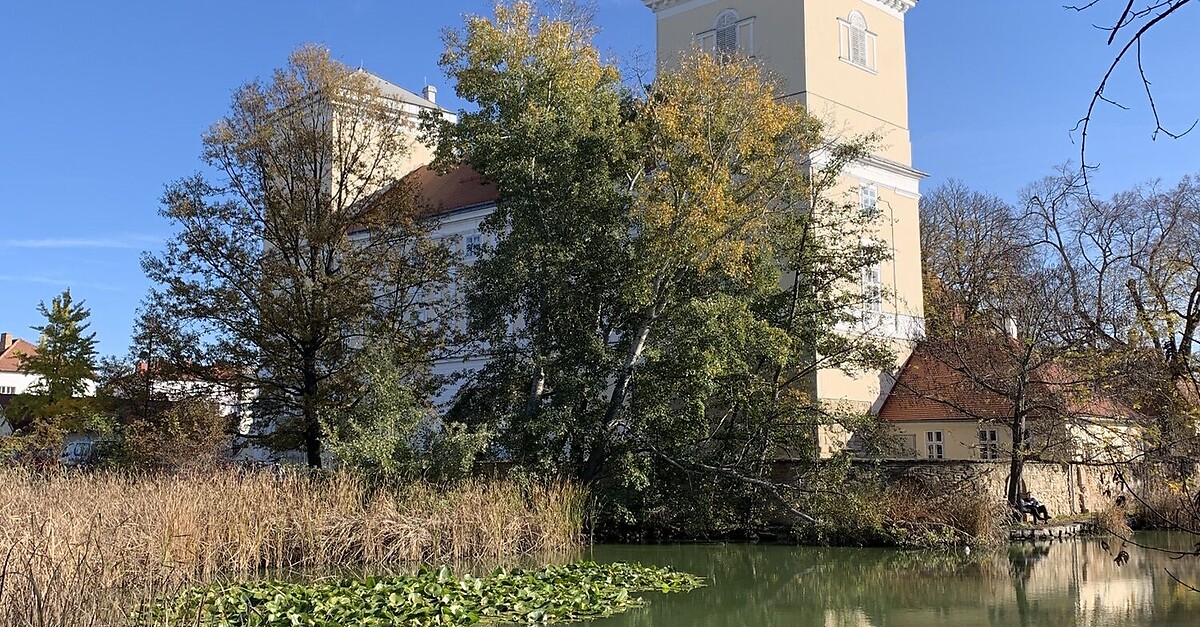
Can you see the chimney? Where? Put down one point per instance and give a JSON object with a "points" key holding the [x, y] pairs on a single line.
{"points": [[6, 341], [430, 93]]}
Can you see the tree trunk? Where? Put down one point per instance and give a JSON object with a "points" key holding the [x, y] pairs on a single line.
{"points": [[537, 387], [312, 446], [621, 385], [312, 419], [1016, 466], [594, 466]]}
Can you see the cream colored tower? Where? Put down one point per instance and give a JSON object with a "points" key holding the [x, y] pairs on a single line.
{"points": [[845, 60]]}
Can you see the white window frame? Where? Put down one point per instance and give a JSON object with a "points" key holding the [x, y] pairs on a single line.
{"points": [[471, 244], [857, 45], [935, 445], [872, 289], [868, 198], [743, 34], [989, 444], [8, 389]]}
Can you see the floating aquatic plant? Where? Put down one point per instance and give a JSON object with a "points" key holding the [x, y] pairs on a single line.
{"points": [[572, 592]]}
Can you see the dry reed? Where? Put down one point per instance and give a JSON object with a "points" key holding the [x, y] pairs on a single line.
{"points": [[939, 516], [83, 549]]}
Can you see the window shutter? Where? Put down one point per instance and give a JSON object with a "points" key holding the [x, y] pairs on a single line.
{"points": [[727, 33], [858, 46], [859, 42]]}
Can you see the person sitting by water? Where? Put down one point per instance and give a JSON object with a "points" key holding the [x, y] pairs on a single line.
{"points": [[1030, 505]]}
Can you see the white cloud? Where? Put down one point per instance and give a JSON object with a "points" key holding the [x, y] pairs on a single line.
{"points": [[56, 282], [124, 242]]}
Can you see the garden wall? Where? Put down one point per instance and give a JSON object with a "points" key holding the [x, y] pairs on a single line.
{"points": [[1063, 488]]}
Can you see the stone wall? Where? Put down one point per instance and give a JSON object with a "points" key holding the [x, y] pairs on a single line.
{"points": [[1063, 488]]}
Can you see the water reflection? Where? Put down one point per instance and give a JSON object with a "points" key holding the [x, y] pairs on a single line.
{"points": [[1060, 584]]}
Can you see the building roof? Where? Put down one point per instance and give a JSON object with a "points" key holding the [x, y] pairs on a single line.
{"points": [[930, 387], [460, 188], [395, 92], [9, 360], [927, 388]]}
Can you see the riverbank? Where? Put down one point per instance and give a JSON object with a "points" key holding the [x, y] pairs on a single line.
{"points": [[1052, 531], [85, 548]]}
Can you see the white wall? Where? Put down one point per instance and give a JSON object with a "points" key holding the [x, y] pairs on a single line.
{"points": [[19, 382]]}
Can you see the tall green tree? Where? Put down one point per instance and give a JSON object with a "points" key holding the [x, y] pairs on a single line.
{"points": [[59, 399], [654, 249], [549, 130], [300, 244]]}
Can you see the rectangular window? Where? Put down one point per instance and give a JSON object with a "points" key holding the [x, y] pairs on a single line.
{"points": [[933, 445], [7, 389], [868, 199], [872, 289], [471, 245], [989, 447]]}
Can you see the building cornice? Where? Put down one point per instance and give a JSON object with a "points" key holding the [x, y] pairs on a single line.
{"points": [[895, 6], [658, 5], [895, 167], [899, 6]]}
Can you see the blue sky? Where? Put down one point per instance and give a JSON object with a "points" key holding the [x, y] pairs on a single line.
{"points": [[103, 103]]}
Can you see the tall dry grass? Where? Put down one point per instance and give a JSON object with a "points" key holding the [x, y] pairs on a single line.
{"points": [[83, 549], [939, 517]]}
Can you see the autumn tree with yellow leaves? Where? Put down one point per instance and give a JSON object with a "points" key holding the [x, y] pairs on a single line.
{"points": [[668, 266]]}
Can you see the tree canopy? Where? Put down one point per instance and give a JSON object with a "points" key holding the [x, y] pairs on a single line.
{"points": [[667, 267], [299, 244], [58, 401]]}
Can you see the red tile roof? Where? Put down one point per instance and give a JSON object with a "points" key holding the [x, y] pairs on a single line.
{"points": [[460, 188], [927, 388], [9, 361], [934, 387]]}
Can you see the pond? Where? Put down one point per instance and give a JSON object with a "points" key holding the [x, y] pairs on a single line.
{"points": [[1058, 584]]}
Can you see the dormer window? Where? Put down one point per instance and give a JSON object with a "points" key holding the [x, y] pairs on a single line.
{"points": [[731, 34], [857, 42]]}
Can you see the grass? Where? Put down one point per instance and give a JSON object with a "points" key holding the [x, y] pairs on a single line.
{"points": [[84, 549]]}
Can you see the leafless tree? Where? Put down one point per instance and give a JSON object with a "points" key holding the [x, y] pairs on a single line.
{"points": [[974, 246], [1134, 22], [1131, 276], [996, 312]]}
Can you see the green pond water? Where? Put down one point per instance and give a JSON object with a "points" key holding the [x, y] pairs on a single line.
{"points": [[1060, 584]]}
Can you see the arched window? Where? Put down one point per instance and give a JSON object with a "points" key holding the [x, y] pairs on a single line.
{"points": [[858, 39], [726, 28], [857, 43]]}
